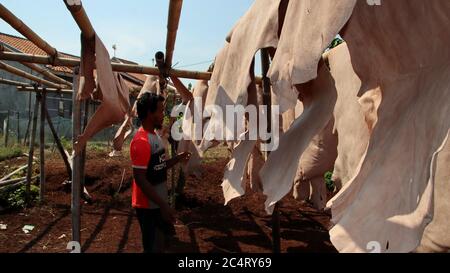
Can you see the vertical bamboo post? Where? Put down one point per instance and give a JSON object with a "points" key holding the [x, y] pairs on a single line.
{"points": [[172, 177], [58, 143], [42, 148], [175, 8], [29, 120], [265, 63], [76, 173], [31, 149], [83, 153], [6, 129], [173, 153], [18, 128]]}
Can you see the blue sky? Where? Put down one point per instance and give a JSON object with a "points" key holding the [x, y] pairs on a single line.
{"points": [[138, 28]]}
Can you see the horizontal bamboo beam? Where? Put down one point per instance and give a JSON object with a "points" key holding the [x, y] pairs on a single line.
{"points": [[79, 14], [69, 62], [172, 29], [48, 90], [23, 29], [23, 74], [45, 72], [16, 83], [138, 69], [38, 59]]}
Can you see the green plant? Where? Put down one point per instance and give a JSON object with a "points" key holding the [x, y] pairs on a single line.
{"points": [[66, 143], [97, 146], [10, 152], [329, 181], [337, 41], [166, 121], [15, 197]]}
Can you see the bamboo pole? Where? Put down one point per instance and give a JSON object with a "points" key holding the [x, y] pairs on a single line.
{"points": [[42, 148], [23, 29], [172, 29], [48, 90], [58, 143], [21, 73], [15, 83], [18, 128], [79, 14], [15, 181], [76, 169], [13, 173], [137, 69], [265, 64], [45, 72], [6, 129], [39, 59], [29, 120], [83, 153], [31, 149]]}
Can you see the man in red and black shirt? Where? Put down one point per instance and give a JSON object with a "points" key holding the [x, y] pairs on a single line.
{"points": [[150, 196]]}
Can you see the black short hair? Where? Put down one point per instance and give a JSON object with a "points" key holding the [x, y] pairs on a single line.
{"points": [[148, 103]]}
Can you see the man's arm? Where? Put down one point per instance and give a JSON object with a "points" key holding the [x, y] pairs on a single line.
{"points": [[140, 176], [185, 94], [178, 158]]}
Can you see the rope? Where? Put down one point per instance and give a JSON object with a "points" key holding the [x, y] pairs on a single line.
{"points": [[189, 65]]}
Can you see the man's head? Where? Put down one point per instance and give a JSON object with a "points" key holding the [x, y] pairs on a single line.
{"points": [[150, 110]]}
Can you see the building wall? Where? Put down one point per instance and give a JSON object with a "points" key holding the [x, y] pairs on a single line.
{"points": [[13, 101]]}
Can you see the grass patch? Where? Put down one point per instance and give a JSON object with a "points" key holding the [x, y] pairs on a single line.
{"points": [[97, 146], [216, 153], [11, 152]]}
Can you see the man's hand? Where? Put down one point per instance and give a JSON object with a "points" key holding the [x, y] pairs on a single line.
{"points": [[184, 157]]}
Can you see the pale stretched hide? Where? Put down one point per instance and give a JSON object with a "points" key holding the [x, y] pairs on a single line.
{"points": [[355, 115], [309, 28], [436, 237], [257, 29], [211, 121], [319, 98], [233, 185], [110, 90], [126, 128], [151, 85], [254, 166], [256, 160], [389, 202], [193, 166], [317, 159]]}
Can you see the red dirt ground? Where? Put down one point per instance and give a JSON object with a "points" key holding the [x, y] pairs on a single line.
{"points": [[205, 225]]}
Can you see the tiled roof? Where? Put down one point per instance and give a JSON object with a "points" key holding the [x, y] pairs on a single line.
{"points": [[140, 77], [27, 47]]}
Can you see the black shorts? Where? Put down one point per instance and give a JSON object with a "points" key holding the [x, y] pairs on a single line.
{"points": [[150, 221]]}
